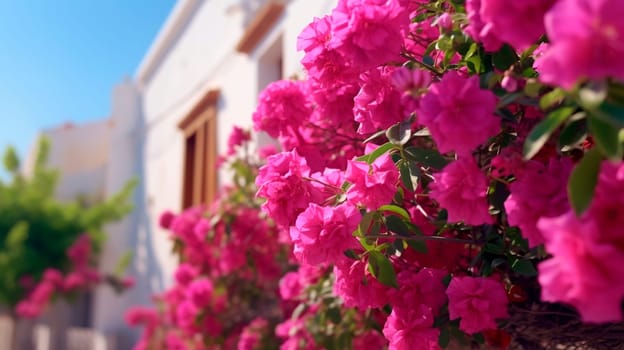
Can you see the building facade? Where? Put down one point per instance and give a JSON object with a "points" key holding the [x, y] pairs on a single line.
{"points": [[171, 120]]}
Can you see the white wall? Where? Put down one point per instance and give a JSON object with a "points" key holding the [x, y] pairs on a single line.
{"points": [[81, 152], [204, 57], [194, 54]]}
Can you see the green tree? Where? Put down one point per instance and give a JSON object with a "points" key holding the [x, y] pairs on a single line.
{"points": [[36, 228]]}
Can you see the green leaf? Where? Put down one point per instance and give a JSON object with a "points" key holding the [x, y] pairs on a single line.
{"points": [[523, 267], [606, 137], [369, 247], [333, 314], [574, 132], [400, 133], [381, 268], [17, 235], [504, 58], [610, 113], [474, 64], [365, 222], [445, 337], [417, 245], [396, 225], [375, 135], [542, 131], [508, 99], [11, 161], [395, 209], [123, 264], [378, 152], [583, 179], [553, 97], [427, 157], [406, 178], [532, 88], [351, 254], [472, 50]]}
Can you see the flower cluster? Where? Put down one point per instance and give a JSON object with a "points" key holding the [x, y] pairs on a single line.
{"points": [[55, 282], [231, 258], [447, 160]]}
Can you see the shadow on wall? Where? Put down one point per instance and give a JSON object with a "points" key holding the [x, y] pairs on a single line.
{"points": [[145, 267]]}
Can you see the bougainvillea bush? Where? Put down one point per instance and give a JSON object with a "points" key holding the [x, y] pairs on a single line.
{"points": [[238, 284], [48, 248], [231, 258], [457, 165]]}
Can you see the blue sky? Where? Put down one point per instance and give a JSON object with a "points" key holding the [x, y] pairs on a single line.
{"points": [[59, 59]]}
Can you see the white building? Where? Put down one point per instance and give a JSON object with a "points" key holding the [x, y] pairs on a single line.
{"points": [[201, 76]]}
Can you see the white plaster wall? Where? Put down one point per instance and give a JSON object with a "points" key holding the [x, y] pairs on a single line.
{"points": [[80, 152], [184, 75], [108, 307], [195, 63], [203, 57]]}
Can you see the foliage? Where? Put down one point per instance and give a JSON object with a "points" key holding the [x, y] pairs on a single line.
{"points": [[481, 152], [36, 229]]}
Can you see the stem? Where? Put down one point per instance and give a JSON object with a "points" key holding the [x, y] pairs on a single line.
{"points": [[323, 183], [425, 238]]}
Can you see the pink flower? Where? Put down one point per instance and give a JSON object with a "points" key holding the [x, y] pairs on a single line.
{"points": [[28, 309], [282, 182], [509, 83], [357, 287], [423, 287], [518, 23], [592, 48], [324, 64], [173, 342], [138, 315], [80, 251], [479, 29], [42, 293], [232, 258], [186, 314], [328, 184], [478, 301], [185, 273], [322, 234], [371, 339], [282, 107], [583, 272], [369, 32], [74, 280], [458, 113], [410, 80], [411, 328], [200, 292], [212, 326], [238, 137], [267, 151], [445, 21], [588, 252], [540, 190], [252, 334], [290, 287], [461, 188], [372, 185], [166, 218], [378, 104], [53, 276]]}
